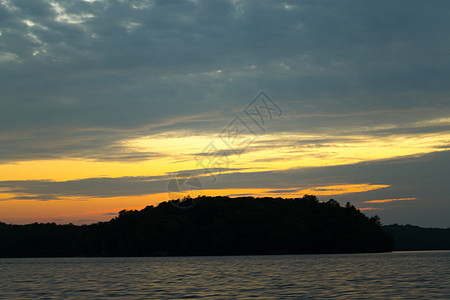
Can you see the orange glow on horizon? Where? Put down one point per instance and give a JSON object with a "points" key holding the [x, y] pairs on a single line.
{"points": [[79, 210]]}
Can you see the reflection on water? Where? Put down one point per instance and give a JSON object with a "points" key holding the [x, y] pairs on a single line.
{"points": [[401, 275]]}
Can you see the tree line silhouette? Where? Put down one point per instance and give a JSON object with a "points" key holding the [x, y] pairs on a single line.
{"points": [[409, 237], [214, 226]]}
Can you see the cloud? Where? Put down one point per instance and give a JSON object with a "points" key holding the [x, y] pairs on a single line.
{"points": [[389, 200], [83, 189], [8, 57], [423, 178], [370, 208], [111, 214], [132, 66]]}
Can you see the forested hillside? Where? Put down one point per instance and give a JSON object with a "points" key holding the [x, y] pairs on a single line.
{"points": [[409, 237], [214, 226]]}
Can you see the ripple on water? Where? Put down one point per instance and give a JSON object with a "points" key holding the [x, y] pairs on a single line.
{"points": [[403, 275]]}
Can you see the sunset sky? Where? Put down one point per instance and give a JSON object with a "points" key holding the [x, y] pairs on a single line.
{"points": [[103, 102]]}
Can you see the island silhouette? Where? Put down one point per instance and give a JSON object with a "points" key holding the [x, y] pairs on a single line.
{"points": [[214, 226]]}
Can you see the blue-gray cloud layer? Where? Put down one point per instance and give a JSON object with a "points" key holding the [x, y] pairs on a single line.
{"points": [[78, 76]]}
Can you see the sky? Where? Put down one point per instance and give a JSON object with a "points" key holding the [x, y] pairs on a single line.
{"points": [[104, 103]]}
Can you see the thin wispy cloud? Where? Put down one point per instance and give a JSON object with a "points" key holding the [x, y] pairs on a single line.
{"points": [[390, 200]]}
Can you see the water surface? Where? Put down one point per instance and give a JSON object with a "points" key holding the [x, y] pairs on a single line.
{"points": [[398, 275]]}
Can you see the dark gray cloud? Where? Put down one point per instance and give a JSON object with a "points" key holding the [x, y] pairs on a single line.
{"points": [[103, 187], [146, 66], [90, 187]]}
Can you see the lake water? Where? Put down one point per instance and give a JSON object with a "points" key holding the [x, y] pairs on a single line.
{"points": [[398, 275]]}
